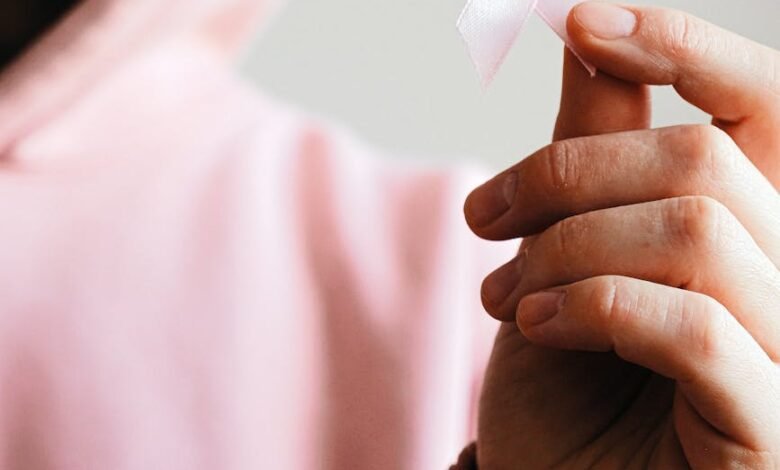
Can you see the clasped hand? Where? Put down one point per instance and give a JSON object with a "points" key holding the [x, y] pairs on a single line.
{"points": [[645, 299]]}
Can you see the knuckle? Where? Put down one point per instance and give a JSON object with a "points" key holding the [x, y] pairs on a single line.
{"points": [[708, 150], [698, 222], [685, 37], [561, 158], [566, 233], [705, 324], [605, 300], [615, 311]]}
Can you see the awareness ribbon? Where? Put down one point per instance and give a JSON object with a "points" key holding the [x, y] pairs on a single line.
{"points": [[490, 27]]}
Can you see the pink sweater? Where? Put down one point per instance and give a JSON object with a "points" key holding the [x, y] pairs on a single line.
{"points": [[193, 276]]}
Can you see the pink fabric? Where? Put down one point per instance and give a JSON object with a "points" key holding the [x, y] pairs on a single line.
{"points": [[490, 27], [193, 276]]}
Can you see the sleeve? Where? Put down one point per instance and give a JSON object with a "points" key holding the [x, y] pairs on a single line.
{"points": [[398, 275]]}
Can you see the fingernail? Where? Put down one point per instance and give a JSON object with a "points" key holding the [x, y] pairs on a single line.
{"points": [[491, 200], [539, 308], [605, 20], [500, 284]]}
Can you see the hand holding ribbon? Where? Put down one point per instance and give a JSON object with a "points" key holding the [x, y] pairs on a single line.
{"points": [[647, 293]]}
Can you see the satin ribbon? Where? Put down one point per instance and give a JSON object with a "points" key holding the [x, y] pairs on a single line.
{"points": [[490, 27]]}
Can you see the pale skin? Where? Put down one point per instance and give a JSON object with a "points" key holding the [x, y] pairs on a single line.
{"points": [[642, 312]]}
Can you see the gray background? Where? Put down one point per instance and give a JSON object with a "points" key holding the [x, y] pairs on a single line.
{"points": [[397, 72]]}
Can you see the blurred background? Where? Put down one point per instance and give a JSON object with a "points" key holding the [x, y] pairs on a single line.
{"points": [[397, 72]]}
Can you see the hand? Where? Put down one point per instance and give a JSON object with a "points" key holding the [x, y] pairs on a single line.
{"points": [[648, 294]]}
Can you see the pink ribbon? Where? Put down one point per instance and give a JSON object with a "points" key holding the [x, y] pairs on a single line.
{"points": [[490, 27]]}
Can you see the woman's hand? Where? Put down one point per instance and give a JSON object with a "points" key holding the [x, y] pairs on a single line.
{"points": [[647, 292]]}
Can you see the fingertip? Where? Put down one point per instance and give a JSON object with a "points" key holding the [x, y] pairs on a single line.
{"points": [[603, 33], [488, 299], [537, 310], [499, 289], [578, 35], [486, 204], [573, 27]]}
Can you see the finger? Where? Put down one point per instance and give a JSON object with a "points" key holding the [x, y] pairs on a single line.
{"points": [[595, 105], [730, 77], [589, 106], [500, 290], [600, 104], [724, 74], [704, 448], [690, 242], [683, 335], [580, 175]]}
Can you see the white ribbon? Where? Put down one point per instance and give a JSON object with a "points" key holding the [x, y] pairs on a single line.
{"points": [[490, 27]]}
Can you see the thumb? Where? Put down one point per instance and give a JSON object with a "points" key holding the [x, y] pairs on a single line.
{"points": [[734, 79]]}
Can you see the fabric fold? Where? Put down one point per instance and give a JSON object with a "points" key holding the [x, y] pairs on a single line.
{"points": [[490, 28]]}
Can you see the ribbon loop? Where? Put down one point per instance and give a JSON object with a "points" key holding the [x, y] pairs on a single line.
{"points": [[490, 27]]}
